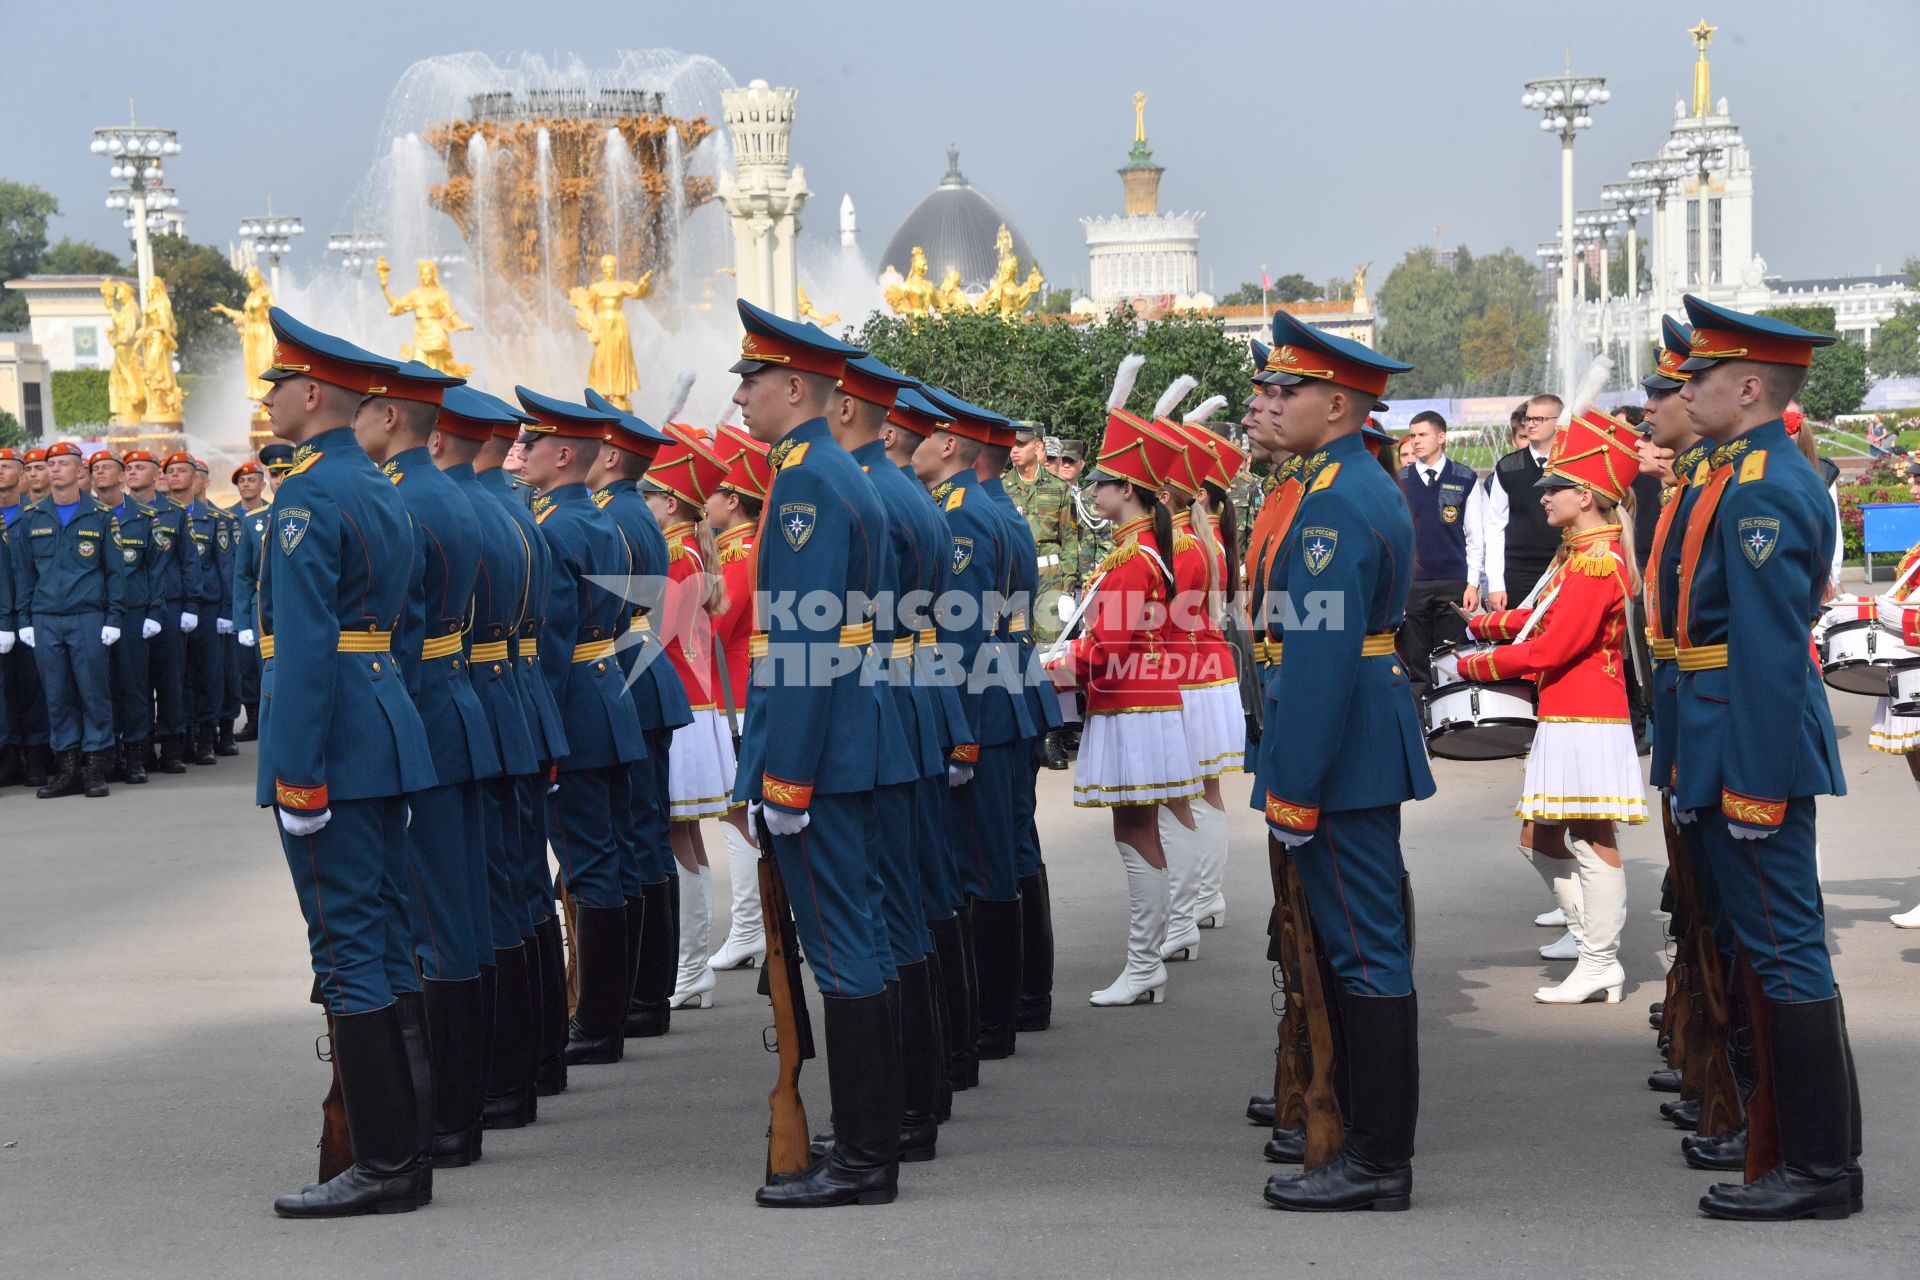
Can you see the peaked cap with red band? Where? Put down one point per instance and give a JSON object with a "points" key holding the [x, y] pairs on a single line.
{"points": [[915, 412], [1721, 333], [1302, 353], [971, 421], [772, 342], [868, 379], [472, 414], [1676, 342], [412, 380], [562, 418], [630, 432], [302, 351]]}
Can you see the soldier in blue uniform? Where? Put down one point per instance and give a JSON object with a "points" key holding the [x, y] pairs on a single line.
{"points": [[172, 566], [209, 593], [815, 788], [247, 525], [69, 582], [132, 694], [508, 987], [1756, 743], [585, 622], [275, 460], [341, 745], [25, 756], [447, 900], [1350, 752], [648, 871]]}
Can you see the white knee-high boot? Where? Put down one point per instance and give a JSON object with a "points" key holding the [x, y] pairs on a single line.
{"points": [[1560, 875], [1144, 980], [746, 944], [693, 989], [1211, 824], [1182, 847], [1603, 913]]}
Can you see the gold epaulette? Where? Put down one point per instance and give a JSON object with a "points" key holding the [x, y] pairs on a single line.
{"points": [[1596, 561], [1117, 557], [1185, 542], [732, 552], [676, 551]]}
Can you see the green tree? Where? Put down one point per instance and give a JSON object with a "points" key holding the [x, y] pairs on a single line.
{"points": [[1837, 381], [1896, 344], [1422, 309], [198, 276], [1055, 302], [24, 211], [80, 258], [12, 434], [1246, 295]]}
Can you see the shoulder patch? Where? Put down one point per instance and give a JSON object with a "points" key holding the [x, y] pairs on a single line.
{"points": [[797, 521], [1325, 479], [1759, 535], [954, 499], [1753, 467], [293, 523], [306, 464], [962, 554], [1317, 545]]}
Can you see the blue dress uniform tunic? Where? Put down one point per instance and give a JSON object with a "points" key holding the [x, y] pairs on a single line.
{"points": [[25, 720], [1043, 705], [210, 597], [69, 581], [338, 731], [250, 533], [132, 692], [174, 569], [448, 898], [1756, 740], [1350, 751], [813, 721]]}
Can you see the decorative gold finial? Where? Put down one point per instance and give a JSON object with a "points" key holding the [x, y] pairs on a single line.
{"points": [[1139, 117], [1702, 77]]}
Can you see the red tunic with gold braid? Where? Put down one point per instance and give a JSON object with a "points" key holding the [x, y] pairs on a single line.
{"points": [[1201, 656], [733, 628], [689, 637], [1118, 659], [1575, 653]]}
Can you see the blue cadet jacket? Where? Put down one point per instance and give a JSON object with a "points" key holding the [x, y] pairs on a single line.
{"points": [[209, 585], [75, 569], [1351, 738], [1023, 560], [1664, 592], [342, 726], [982, 568], [247, 548], [584, 622], [909, 748], [523, 648], [499, 605], [137, 559], [174, 564], [957, 739], [658, 696]]}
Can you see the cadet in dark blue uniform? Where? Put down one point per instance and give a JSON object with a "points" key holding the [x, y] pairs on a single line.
{"points": [[276, 460], [815, 787], [585, 622], [25, 757], [69, 581], [247, 519], [1349, 753], [132, 694], [648, 871], [171, 565], [447, 899], [208, 596], [1756, 741], [340, 746]]}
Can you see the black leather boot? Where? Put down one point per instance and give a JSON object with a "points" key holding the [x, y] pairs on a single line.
{"points": [[133, 762], [636, 938], [921, 1068], [1374, 1169], [1814, 1105], [116, 765], [510, 1063], [65, 782], [937, 999], [40, 765], [1036, 951], [414, 1038], [551, 1076], [390, 1166], [996, 961], [250, 732], [171, 747], [863, 1079], [600, 961], [1260, 1110], [649, 1011], [1682, 1113], [1286, 1146], [93, 773], [956, 979], [223, 743], [457, 1038], [13, 766], [1728, 1151], [1665, 1080], [1056, 750], [200, 744]]}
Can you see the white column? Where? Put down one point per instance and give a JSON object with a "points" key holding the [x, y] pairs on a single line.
{"points": [[142, 244]]}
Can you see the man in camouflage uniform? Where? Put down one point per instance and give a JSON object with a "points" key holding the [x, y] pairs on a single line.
{"points": [[1047, 503]]}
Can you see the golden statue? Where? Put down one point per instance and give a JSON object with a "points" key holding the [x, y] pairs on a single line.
{"points": [[1702, 78], [434, 319], [914, 295], [1360, 287], [1007, 296], [809, 312], [599, 309], [1139, 117], [950, 297], [158, 343], [126, 386], [256, 332]]}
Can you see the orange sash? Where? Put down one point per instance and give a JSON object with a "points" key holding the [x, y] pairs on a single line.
{"points": [[1699, 524]]}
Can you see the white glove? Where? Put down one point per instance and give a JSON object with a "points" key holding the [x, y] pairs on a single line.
{"points": [[223, 625], [786, 824], [149, 629], [109, 636], [1748, 833], [959, 775], [188, 621], [1289, 837], [1683, 816], [1891, 614], [304, 824], [6, 641], [26, 636], [409, 809], [753, 817], [246, 636]]}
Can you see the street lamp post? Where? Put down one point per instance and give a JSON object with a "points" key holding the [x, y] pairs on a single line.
{"points": [[1704, 149], [1566, 104], [272, 234], [136, 152], [1660, 179]]}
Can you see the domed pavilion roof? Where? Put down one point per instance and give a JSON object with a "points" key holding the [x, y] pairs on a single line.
{"points": [[956, 224]]}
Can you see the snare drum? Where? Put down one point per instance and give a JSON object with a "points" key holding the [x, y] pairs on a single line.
{"points": [[1446, 659], [1906, 688], [1471, 720], [1858, 656]]}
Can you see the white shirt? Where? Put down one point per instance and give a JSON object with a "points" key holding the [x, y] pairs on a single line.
{"points": [[1476, 532], [1496, 531]]}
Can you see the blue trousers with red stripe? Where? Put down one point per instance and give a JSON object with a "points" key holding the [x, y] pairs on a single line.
{"points": [[940, 895], [350, 877], [447, 900], [1351, 871], [983, 812], [827, 870], [581, 818], [890, 841], [1026, 782], [1769, 893]]}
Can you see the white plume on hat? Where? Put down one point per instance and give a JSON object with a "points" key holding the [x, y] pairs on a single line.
{"points": [[1591, 384], [727, 415], [1176, 391], [1123, 380], [1207, 408], [677, 397]]}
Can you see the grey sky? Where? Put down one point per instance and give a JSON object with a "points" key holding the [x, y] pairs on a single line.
{"points": [[1314, 138]]}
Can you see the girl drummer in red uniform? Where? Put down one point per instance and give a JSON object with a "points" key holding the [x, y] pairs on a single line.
{"points": [[1583, 773]]}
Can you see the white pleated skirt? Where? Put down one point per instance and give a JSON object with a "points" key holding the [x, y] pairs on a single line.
{"points": [[1134, 757], [1582, 770], [1895, 735], [1216, 728], [700, 768]]}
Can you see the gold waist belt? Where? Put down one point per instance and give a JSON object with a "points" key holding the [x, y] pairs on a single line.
{"points": [[592, 650], [850, 638], [350, 642], [266, 648], [928, 638], [491, 651], [1702, 657], [641, 622], [529, 646], [1663, 649], [1017, 624], [1378, 645], [442, 647], [902, 647]]}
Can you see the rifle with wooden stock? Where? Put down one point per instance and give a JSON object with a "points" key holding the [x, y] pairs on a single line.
{"points": [[792, 1031], [336, 1141], [1702, 1029], [1309, 1044]]}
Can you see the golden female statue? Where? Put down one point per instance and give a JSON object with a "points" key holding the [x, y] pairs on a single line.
{"points": [[256, 331], [810, 312], [950, 298], [914, 295], [599, 308], [434, 319], [126, 386], [1007, 296], [158, 343]]}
